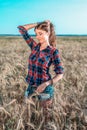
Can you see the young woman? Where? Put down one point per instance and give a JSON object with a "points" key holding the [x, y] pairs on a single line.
{"points": [[43, 55]]}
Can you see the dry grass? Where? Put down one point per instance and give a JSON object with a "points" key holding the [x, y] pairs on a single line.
{"points": [[70, 101]]}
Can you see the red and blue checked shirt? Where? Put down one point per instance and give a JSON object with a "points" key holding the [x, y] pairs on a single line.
{"points": [[40, 60]]}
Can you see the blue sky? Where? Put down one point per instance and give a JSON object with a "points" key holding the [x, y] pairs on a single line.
{"points": [[68, 16]]}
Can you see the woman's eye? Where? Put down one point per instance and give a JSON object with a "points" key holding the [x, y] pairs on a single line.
{"points": [[40, 33]]}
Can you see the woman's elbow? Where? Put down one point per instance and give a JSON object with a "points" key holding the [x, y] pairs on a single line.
{"points": [[60, 75]]}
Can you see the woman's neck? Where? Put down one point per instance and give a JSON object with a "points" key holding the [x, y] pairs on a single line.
{"points": [[44, 45]]}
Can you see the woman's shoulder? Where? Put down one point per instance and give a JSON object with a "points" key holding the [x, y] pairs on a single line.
{"points": [[53, 49]]}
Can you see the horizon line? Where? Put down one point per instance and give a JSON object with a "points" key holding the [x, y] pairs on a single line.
{"points": [[35, 35]]}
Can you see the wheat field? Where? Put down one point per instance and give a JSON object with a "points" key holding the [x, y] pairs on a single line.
{"points": [[70, 100]]}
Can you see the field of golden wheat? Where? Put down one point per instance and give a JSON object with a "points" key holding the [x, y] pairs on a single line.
{"points": [[70, 100]]}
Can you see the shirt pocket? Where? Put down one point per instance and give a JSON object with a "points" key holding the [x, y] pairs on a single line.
{"points": [[44, 60]]}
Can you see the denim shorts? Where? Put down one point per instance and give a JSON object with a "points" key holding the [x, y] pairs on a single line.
{"points": [[49, 91]]}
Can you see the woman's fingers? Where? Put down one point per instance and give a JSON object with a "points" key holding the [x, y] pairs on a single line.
{"points": [[41, 88]]}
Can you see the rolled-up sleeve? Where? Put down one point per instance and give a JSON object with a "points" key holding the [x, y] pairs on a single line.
{"points": [[29, 40], [58, 68]]}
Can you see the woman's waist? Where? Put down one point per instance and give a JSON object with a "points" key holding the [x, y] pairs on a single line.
{"points": [[36, 86], [36, 81]]}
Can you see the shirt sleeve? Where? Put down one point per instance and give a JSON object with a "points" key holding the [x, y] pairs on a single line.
{"points": [[29, 40], [57, 63]]}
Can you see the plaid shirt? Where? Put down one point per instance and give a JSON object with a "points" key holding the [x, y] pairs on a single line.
{"points": [[40, 61]]}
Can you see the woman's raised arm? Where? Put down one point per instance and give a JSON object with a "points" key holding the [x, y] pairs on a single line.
{"points": [[24, 32]]}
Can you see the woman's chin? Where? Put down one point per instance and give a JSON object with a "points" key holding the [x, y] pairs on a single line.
{"points": [[41, 42]]}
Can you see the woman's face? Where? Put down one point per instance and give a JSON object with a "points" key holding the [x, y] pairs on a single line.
{"points": [[41, 35]]}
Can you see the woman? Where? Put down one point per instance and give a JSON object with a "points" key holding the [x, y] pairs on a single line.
{"points": [[43, 55]]}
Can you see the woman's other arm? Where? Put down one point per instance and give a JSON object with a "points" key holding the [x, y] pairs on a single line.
{"points": [[59, 70]]}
